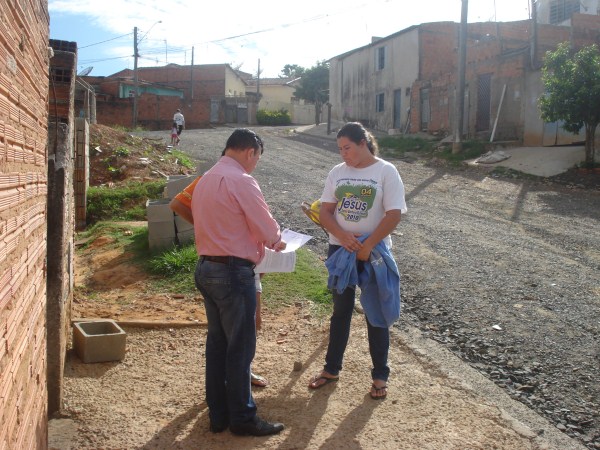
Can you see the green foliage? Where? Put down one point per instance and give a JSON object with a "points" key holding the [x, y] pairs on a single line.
{"points": [[397, 146], [471, 149], [122, 151], [572, 91], [292, 71], [183, 159], [281, 117], [176, 260], [314, 84], [127, 202]]}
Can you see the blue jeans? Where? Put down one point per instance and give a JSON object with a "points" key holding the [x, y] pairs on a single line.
{"points": [[339, 332], [230, 302]]}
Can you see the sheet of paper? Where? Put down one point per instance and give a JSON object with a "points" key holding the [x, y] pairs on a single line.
{"points": [[294, 240], [276, 262]]}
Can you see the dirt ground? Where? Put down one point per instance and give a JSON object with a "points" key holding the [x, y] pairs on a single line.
{"points": [[154, 397]]}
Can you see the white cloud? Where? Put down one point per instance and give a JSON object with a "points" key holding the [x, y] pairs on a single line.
{"points": [[277, 33]]}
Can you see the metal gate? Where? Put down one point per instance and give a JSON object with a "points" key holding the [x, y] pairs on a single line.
{"points": [[484, 94]]}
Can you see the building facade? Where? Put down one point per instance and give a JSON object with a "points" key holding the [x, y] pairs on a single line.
{"points": [[406, 82], [206, 94]]}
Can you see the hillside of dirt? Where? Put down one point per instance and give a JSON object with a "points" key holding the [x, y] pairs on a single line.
{"points": [[117, 156]]}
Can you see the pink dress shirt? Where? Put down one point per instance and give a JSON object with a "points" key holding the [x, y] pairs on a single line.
{"points": [[231, 217]]}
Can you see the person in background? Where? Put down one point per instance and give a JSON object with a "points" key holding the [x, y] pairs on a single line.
{"points": [[361, 204], [230, 242], [181, 204], [174, 134], [180, 121]]}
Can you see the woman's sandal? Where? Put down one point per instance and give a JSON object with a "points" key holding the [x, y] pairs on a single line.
{"points": [[318, 381], [378, 393], [258, 381]]}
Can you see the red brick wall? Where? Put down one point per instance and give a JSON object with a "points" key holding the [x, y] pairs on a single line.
{"points": [[156, 112], [24, 29], [501, 49]]}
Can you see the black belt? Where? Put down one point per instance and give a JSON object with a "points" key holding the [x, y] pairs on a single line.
{"points": [[228, 260]]}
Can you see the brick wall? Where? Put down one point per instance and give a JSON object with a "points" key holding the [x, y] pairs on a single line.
{"points": [[200, 85], [24, 29]]}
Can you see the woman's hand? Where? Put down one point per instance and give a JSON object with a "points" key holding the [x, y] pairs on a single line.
{"points": [[349, 241]]}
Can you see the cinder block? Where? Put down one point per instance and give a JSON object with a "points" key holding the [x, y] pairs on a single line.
{"points": [[161, 243], [158, 210], [161, 229], [177, 183], [183, 225], [186, 237], [99, 341]]}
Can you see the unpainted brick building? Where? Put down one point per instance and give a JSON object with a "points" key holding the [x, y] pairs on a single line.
{"points": [[206, 94], [24, 61]]}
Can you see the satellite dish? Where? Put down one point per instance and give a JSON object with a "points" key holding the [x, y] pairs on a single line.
{"points": [[85, 71]]}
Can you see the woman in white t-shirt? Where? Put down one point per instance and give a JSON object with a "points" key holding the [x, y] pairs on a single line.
{"points": [[362, 195]]}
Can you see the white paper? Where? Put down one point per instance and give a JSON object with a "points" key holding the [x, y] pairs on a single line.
{"points": [[276, 262], [284, 261], [293, 240]]}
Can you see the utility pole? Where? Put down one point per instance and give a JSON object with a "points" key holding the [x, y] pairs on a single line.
{"points": [[135, 76], [459, 107], [534, 35], [192, 77]]}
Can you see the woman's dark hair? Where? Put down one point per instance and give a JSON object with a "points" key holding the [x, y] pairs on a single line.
{"points": [[356, 133], [243, 138]]}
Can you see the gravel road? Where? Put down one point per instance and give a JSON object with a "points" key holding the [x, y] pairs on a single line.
{"points": [[504, 272]]}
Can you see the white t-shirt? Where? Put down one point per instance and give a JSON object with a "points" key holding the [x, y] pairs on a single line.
{"points": [[363, 196], [178, 118]]}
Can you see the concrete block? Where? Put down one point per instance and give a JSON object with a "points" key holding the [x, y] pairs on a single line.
{"points": [[177, 183], [161, 229], [183, 225], [158, 210], [186, 237], [99, 341], [161, 243]]}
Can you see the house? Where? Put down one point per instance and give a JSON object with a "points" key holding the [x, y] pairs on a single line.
{"points": [[206, 94], [405, 82], [275, 94]]}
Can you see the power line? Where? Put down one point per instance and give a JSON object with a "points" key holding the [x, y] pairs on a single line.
{"points": [[108, 40]]}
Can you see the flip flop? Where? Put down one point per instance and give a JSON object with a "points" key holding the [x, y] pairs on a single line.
{"points": [[316, 384], [378, 390], [258, 381]]}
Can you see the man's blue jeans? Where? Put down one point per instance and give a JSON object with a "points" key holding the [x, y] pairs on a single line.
{"points": [[339, 333], [230, 302]]}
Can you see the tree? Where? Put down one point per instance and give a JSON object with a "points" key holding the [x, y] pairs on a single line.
{"points": [[292, 71], [314, 84], [572, 84]]}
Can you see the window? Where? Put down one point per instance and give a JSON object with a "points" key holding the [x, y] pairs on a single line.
{"points": [[379, 103], [561, 10], [380, 58]]}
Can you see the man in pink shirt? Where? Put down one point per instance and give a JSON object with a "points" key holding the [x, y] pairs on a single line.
{"points": [[230, 240]]}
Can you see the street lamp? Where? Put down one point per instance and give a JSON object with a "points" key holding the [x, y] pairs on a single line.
{"points": [[135, 69]]}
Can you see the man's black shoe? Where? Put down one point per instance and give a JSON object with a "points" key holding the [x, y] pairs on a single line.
{"points": [[218, 427], [256, 427]]}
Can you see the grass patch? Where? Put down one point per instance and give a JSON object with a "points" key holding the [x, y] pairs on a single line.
{"points": [[471, 149], [398, 146], [307, 282], [127, 202], [183, 159]]}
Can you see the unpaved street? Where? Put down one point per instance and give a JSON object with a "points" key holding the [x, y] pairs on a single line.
{"points": [[504, 272]]}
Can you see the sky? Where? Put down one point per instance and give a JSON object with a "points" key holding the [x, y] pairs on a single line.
{"points": [[268, 34]]}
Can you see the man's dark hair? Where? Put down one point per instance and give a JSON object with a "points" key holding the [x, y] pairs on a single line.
{"points": [[243, 138]]}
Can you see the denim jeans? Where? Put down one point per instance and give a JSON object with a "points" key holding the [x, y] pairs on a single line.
{"points": [[339, 332], [230, 302]]}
